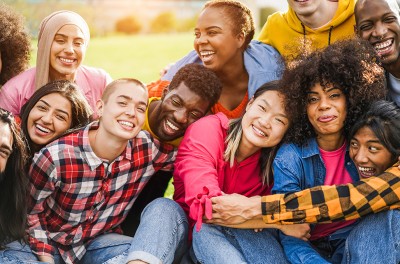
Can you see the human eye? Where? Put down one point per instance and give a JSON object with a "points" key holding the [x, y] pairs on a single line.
{"points": [[79, 42], [122, 103], [197, 34], [312, 99], [353, 144], [280, 121], [59, 40], [195, 115], [365, 26], [41, 107], [335, 95], [142, 109], [261, 107], [61, 117], [176, 102], [212, 32], [390, 19]]}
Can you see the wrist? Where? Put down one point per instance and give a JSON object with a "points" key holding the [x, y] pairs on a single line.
{"points": [[254, 208]]}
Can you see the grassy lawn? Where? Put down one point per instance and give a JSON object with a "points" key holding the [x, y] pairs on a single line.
{"points": [[141, 57]]}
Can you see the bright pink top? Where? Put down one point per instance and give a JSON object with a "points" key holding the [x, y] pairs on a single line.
{"points": [[201, 171], [335, 174], [15, 92]]}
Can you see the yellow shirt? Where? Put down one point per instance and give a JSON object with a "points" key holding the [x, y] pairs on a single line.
{"points": [[146, 125], [286, 33]]}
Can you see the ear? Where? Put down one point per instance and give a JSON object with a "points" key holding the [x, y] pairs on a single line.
{"points": [[164, 92], [100, 107], [250, 103], [241, 39]]}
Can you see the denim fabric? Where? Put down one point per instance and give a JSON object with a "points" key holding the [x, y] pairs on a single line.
{"points": [[297, 168], [376, 239], [100, 250], [262, 62], [217, 244], [162, 235]]}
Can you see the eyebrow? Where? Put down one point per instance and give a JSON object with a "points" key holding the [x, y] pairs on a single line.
{"points": [[7, 147], [211, 27], [57, 109], [130, 99], [65, 36], [326, 91]]}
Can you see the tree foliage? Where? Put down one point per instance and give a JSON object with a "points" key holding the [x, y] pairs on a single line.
{"points": [[163, 23], [128, 25], [265, 13]]}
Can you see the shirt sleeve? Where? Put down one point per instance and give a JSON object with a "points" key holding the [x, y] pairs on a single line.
{"points": [[335, 203], [198, 163], [42, 173], [163, 156]]}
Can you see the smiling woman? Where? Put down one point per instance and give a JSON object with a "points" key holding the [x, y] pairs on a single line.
{"points": [[54, 110], [62, 43]]}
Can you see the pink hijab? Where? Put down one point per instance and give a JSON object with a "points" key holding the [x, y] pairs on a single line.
{"points": [[48, 29]]}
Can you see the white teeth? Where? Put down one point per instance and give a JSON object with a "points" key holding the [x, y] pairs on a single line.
{"points": [[43, 129], [126, 123], [383, 45], [206, 53], [259, 131], [365, 169], [67, 60], [171, 125]]}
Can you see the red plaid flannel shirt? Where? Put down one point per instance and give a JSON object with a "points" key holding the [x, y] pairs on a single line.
{"points": [[76, 196]]}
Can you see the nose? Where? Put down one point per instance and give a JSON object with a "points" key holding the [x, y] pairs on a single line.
{"points": [[379, 31], [181, 116], [265, 121], [47, 117], [324, 103], [130, 111], [360, 156], [69, 47], [201, 39]]}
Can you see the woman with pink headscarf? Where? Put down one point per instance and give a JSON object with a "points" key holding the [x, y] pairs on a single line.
{"points": [[62, 43]]}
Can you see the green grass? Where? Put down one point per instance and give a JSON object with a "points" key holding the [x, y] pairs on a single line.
{"points": [[141, 56]]}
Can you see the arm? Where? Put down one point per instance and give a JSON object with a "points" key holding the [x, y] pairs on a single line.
{"points": [[335, 203], [42, 173], [198, 162]]}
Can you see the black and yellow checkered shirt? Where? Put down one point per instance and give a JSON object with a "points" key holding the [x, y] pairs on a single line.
{"points": [[335, 203]]}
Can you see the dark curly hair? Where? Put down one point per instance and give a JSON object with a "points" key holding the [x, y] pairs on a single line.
{"points": [[350, 65], [14, 44], [239, 15], [200, 80]]}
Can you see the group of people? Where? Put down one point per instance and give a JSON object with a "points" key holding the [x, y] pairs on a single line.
{"points": [[282, 150]]}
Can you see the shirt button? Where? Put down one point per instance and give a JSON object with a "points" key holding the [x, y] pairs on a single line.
{"points": [[348, 163]]}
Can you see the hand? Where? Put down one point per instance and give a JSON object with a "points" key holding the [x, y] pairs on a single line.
{"points": [[301, 231], [47, 259], [233, 209]]}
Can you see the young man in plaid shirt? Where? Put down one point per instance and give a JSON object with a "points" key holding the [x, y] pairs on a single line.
{"points": [[83, 184]]}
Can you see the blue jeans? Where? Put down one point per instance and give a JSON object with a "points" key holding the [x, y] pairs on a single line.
{"points": [[217, 244], [107, 248], [162, 235], [376, 239]]}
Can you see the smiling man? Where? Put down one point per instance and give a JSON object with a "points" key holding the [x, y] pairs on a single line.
{"points": [[378, 22], [194, 89], [83, 184], [313, 24]]}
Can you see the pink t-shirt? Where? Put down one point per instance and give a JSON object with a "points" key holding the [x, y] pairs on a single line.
{"points": [[336, 173], [15, 92]]}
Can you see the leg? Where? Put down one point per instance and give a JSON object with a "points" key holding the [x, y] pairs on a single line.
{"points": [[376, 239], [162, 234], [154, 189], [108, 248], [216, 244], [17, 253], [260, 247]]}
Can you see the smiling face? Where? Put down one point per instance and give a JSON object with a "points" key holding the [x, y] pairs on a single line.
{"points": [[178, 109], [67, 53], [49, 118], [378, 24], [370, 156], [304, 8], [264, 123], [6, 142], [215, 41], [326, 110], [122, 114]]}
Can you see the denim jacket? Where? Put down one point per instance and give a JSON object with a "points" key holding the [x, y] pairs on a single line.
{"points": [[262, 62], [297, 168]]}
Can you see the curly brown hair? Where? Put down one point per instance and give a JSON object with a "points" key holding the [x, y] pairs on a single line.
{"points": [[14, 44], [239, 15], [350, 65]]}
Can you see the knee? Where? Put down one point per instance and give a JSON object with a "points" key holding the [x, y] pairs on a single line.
{"points": [[164, 208]]}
